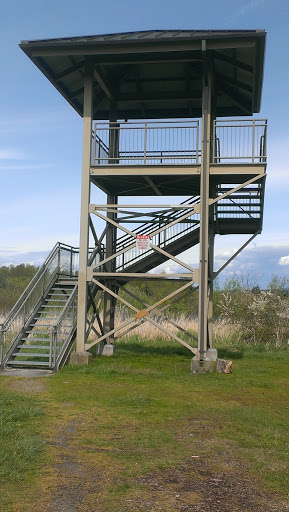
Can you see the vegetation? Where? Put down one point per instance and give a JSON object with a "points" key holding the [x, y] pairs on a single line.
{"points": [[261, 315], [254, 315], [20, 443], [134, 431], [139, 432], [13, 281]]}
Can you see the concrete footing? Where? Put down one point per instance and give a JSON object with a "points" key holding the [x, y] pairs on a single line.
{"points": [[204, 366], [80, 358], [108, 350], [207, 364], [212, 354], [99, 348]]}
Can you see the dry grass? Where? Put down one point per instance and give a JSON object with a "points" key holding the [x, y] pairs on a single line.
{"points": [[222, 329]]}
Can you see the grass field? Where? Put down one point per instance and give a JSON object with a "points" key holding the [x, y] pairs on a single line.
{"points": [[139, 432]]}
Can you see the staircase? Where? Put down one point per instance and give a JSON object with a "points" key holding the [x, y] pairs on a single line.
{"points": [[174, 239], [40, 329], [41, 341]]}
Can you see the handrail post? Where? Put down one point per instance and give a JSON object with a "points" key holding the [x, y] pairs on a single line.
{"points": [[23, 315], [54, 345], [214, 141], [50, 347], [70, 269], [1, 345], [253, 141], [145, 143], [58, 260], [265, 142], [197, 144]]}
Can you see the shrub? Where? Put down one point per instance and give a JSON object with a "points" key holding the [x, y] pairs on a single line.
{"points": [[263, 315]]}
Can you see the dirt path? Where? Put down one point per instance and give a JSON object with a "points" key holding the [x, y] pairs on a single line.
{"points": [[74, 482], [194, 486]]}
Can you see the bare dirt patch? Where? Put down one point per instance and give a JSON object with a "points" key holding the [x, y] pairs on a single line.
{"points": [[32, 386], [197, 485]]}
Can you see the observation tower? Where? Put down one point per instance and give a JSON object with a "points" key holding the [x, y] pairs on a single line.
{"points": [[170, 139]]}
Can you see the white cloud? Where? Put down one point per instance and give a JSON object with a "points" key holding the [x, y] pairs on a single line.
{"points": [[11, 154], [284, 260], [24, 167]]}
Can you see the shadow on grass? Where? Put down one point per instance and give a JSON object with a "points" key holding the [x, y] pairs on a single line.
{"points": [[137, 349], [227, 353]]}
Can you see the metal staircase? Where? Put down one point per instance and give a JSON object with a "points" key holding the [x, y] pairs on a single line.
{"points": [[174, 239], [41, 342], [40, 329]]}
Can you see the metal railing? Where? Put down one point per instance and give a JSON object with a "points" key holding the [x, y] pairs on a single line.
{"points": [[178, 143], [144, 143], [239, 141], [63, 260], [244, 204], [62, 333]]}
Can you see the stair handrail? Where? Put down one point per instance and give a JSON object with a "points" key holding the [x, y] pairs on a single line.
{"points": [[35, 280], [148, 228], [56, 357], [166, 241], [27, 294], [55, 328], [31, 285]]}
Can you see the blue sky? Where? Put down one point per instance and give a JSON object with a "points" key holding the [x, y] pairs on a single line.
{"points": [[41, 135]]}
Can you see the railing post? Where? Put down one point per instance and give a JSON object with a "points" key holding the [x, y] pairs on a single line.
{"points": [[42, 284], [71, 256], [197, 144], [58, 260], [214, 142], [54, 345], [23, 314], [265, 142], [145, 143], [1, 345], [253, 141], [50, 347]]}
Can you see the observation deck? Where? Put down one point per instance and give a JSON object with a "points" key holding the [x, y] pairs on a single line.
{"points": [[164, 159]]}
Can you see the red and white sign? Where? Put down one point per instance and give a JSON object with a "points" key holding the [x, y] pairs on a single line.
{"points": [[143, 242]]}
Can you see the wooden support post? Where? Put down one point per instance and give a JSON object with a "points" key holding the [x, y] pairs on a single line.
{"points": [[84, 215]]}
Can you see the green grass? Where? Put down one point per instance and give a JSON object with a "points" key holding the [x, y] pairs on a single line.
{"points": [[20, 443], [142, 412]]}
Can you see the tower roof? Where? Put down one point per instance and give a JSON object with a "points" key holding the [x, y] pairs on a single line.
{"points": [[157, 73]]}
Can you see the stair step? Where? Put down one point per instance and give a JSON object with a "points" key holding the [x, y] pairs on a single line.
{"points": [[46, 317], [27, 363], [30, 347], [55, 300], [35, 332], [47, 306], [30, 338], [30, 354], [64, 282]]}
